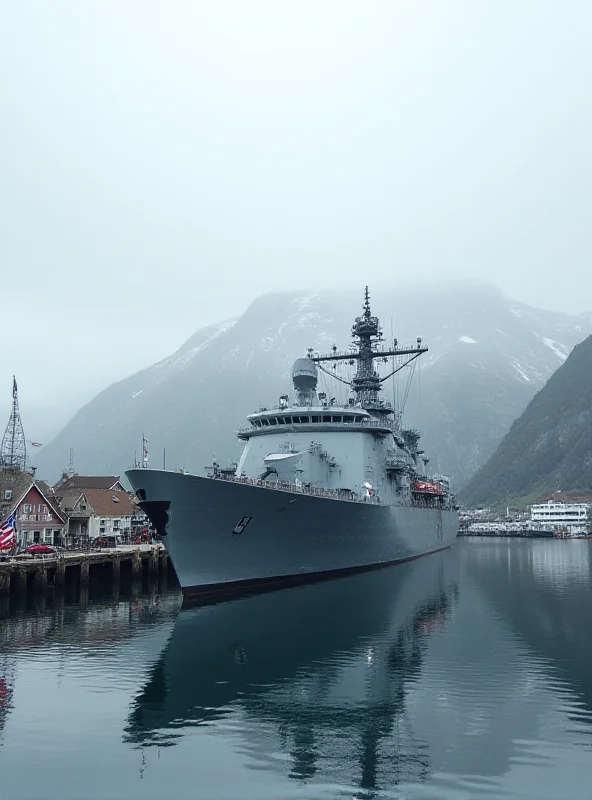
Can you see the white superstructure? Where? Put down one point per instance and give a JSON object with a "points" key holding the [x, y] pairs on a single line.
{"points": [[573, 516]]}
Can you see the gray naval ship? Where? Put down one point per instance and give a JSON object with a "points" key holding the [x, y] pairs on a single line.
{"points": [[321, 489]]}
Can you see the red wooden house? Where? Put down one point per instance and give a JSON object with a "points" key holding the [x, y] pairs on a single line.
{"points": [[38, 517]]}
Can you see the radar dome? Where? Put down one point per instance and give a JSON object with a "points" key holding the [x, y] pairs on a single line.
{"points": [[304, 375]]}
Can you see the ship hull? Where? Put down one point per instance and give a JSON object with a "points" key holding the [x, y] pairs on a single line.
{"points": [[288, 537]]}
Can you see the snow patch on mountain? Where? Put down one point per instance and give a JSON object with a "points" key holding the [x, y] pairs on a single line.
{"points": [[176, 362], [519, 370], [555, 347], [467, 340]]}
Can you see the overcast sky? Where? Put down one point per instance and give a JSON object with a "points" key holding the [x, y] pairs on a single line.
{"points": [[163, 163]]}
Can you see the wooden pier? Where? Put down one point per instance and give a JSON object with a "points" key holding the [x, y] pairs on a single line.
{"points": [[39, 573]]}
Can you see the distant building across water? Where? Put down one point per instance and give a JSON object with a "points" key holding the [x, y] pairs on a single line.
{"points": [[573, 516]]}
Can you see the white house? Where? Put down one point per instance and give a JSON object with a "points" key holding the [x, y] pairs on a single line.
{"points": [[98, 512]]}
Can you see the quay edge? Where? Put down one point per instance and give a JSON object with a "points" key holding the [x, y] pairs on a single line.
{"points": [[53, 572]]}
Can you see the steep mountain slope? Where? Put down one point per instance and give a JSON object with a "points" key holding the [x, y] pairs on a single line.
{"points": [[487, 358], [549, 447]]}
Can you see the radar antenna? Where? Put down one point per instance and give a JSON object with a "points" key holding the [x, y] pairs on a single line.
{"points": [[367, 334]]}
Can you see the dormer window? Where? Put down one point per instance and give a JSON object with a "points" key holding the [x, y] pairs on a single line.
{"points": [[8, 494]]}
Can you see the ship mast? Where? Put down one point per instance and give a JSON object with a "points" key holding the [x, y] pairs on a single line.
{"points": [[367, 335]]}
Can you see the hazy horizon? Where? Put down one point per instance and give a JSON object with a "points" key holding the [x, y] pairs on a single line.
{"points": [[165, 164]]}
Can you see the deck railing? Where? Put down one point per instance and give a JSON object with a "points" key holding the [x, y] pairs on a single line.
{"points": [[312, 491], [331, 494]]}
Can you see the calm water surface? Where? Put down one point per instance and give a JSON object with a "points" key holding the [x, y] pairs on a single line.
{"points": [[462, 675]]}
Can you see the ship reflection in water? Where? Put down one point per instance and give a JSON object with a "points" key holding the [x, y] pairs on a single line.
{"points": [[465, 674], [393, 680], [319, 673]]}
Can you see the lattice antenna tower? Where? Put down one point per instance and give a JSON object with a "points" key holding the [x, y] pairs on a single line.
{"points": [[13, 451]]}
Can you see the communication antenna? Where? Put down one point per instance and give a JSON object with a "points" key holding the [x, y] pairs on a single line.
{"points": [[71, 463], [367, 335], [13, 451], [145, 457]]}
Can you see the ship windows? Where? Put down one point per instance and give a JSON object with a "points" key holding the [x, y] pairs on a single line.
{"points": [[306, 420]]}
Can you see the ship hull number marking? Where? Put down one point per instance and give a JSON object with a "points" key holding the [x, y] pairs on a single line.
{"points": [[241, 525]]}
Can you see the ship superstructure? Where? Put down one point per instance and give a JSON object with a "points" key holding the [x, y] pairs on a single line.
{"points": [[357, 451], [320, 487]]}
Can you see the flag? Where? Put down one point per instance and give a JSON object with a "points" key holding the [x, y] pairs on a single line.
{"points": [[14, 387], [8, 532]]}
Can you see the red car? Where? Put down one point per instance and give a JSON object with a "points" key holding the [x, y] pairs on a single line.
{"points": [[39, 549]]}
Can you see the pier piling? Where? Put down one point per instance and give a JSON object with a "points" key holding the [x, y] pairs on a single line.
{"points": [[19, 580], [23, 574], [84, 572], [153, 562], [59, 579], [136, 565], [40, 578]]}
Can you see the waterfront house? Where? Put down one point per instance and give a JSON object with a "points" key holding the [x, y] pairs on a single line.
{"points": [[38, 516], [97, 512]]}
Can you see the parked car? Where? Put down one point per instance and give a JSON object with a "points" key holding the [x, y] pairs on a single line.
{"points": [[40, 549]]}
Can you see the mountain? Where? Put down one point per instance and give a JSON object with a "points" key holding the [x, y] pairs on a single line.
{"points": [[549, 447], [487, 357]]}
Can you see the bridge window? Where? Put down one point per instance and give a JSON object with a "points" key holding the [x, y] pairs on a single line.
{"points": [[272, 421], [315, 419]]}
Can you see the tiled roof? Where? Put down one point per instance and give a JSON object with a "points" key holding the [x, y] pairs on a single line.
{"points": [[69, 499], [45, 488], [109, 503], [52, 500], [87, 482]]}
